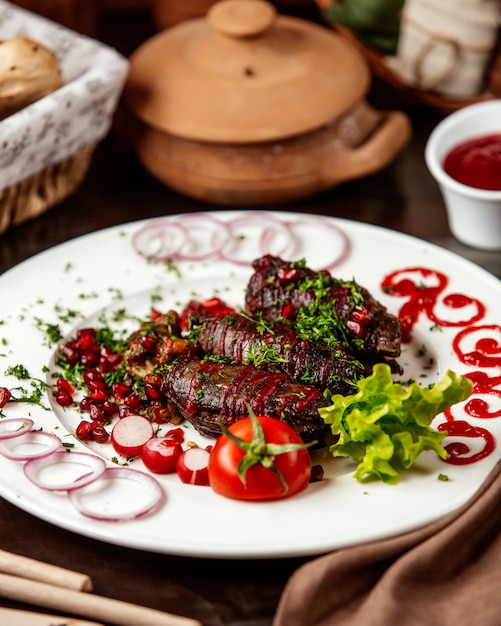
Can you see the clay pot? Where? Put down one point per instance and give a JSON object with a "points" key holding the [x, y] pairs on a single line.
{"points": [[246, 107]]}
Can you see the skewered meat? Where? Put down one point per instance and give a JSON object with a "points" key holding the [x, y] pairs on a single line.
{"points": [[207, 392], [278, 347], [283, 289]]}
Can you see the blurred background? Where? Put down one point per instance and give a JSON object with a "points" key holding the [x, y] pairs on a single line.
{"points": [[469, 27], [92, 16]]}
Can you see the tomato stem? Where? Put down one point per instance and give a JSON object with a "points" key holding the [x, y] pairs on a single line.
{"points": [[258, 451]]}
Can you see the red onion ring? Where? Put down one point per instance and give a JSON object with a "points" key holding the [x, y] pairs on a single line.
{"points": [[30, 443], [98, 501], [95, 467], [15, 427], [159, 230], [217, 238], [274, 226], [224, 241], [329, 224], [341, 257]]}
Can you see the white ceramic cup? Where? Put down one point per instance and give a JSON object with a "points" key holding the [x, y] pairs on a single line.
{"points": [[474, 215]]}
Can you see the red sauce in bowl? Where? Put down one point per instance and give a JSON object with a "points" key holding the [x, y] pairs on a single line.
{"points": [[476, 162]]}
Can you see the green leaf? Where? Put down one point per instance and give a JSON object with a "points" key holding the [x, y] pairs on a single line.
{"points": [[386, 425]]}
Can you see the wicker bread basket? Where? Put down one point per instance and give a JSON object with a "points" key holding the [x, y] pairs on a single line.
{"points": [[409, 95], [34, 195], [47, 146]]}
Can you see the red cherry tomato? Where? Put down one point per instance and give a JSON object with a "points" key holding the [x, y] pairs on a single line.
{"points": [[260, 482], [160, 454]]}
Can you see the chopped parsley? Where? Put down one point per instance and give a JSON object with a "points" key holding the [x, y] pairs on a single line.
{"points": [[319, 322], [261, 355], [36, 390]]}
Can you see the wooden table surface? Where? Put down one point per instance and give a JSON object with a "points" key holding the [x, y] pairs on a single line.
{"points": [[403, 197]]}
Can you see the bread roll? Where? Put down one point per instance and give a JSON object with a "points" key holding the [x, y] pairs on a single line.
{"points": [[28, 71]]}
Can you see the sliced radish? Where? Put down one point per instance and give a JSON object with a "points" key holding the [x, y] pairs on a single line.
{"points": [[54, 473], [32, 445], [160, 454], [130, 434], [15, 427], [120, 494], [192, 465]]}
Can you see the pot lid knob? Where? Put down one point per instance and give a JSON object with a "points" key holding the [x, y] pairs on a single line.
{"points": [[241, 18]]}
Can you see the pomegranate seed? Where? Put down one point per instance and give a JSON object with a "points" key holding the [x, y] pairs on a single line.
{"points": [[5, 396], [86, 344], [155, 315], [86, 403], [287, 311], [148, 342], [63, 385], [317, 473], [108, 363], [63, 398], [152, 391], [115, 359], [99, 434], [120, 390], [133, 401], [125, 411], [92, 375], [98, 385], [216, 305], [89, 359], [86, 332], [98, 396], [98, 414], [70, 354], [110, 408], [177, 434], [84, 430]]}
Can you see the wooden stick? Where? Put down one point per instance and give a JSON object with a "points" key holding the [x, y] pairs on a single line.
{"points": [[86, 604], [17, 617], [36, 570]]}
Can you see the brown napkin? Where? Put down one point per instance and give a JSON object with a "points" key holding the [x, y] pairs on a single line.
{"points": [[447, 573]]}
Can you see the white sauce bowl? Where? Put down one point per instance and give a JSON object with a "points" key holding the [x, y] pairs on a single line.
{"points": [[474, 214]]}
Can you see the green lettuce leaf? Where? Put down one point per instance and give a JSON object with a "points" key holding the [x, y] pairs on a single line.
{"points": [[386, 425]]}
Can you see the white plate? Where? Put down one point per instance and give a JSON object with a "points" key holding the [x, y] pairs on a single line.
{"points": [[102, 270]]}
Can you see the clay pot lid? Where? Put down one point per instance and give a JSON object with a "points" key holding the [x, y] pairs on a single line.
{"points": [[244, 74]]}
